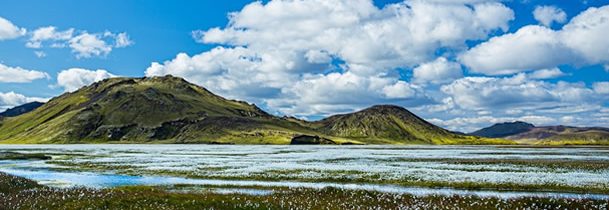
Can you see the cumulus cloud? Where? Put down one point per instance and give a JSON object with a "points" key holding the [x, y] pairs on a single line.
{"points": [[49, 33], [9, 31], [601, 87], [87, 45], [546, 74], [347, 55], [11, 99], [400, 90], [488, 93], [82, 43], [20, 75], [264, 58], [531, 47], [121, 40], [586, 35], [343, 92], [359, 33], [439, 71], [581, 42], [547, 15], [75, 78], [476, 102]]}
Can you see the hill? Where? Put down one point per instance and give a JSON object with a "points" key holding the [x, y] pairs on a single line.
{"points": [[548, 135], [501, 130], [22, 109], [387, 124], [171, 110]]}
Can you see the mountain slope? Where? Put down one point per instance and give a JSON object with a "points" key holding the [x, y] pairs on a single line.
{"points": [[388, 124], [21, 109], [548, 135], [138, 110], [171, 110], [501, 130]]}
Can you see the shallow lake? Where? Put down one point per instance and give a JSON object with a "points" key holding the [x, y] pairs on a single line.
{"points": [[501, 171]]}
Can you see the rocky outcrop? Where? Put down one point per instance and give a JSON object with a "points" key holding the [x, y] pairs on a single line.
{"points": [[306, 139]]}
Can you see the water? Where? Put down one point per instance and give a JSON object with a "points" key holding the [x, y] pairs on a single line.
{"points": [[282, 166]]}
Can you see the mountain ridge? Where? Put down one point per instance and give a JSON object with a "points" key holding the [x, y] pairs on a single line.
{"points": [[383, 122], [527, 133], [171, 110], [21, 109], [500, 130]]}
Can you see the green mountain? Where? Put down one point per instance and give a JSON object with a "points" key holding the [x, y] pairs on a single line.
{"points": [[171, 110], [22, 109], [387, 124], [546, 135]]}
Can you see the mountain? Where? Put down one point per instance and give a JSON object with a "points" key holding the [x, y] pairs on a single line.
{"points": [[386, 124], [171, 110], [559, 135], [501, 130], [22, 109]]}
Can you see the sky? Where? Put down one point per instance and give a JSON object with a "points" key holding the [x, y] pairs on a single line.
{"points": [[460, 64]]}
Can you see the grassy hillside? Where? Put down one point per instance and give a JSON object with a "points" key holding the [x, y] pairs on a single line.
{"points": [[387, 124], [171, 110]]}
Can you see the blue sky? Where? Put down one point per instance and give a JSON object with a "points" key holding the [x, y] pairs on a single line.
{"points": [[357, 74]]}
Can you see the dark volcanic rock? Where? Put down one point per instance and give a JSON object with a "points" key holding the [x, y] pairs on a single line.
{"points": [[306, 139]]}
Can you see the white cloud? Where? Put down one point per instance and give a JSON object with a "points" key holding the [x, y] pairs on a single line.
{"points": [[357, 32], [546, 74], [531, 47], [9, 31], [439, 71], [40, 54], [266, 59], [20, 75], [547, 15], [581, 42], [342, 92], [48, 33], [11, 99], [347, 55], [601, 87], [316, 56], [122, 40], [399, 90], [567, 119], [82, 43], [586, 34], [486, 93], [75, 78], [237, 72], [199, 35], [87, 45]]}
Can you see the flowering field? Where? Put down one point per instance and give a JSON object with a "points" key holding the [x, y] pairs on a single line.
{"points": [[402, 174]]}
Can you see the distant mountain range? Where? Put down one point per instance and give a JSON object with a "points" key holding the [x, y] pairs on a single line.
{"points": [[22, 109], [171, 110], [523, 132]]}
